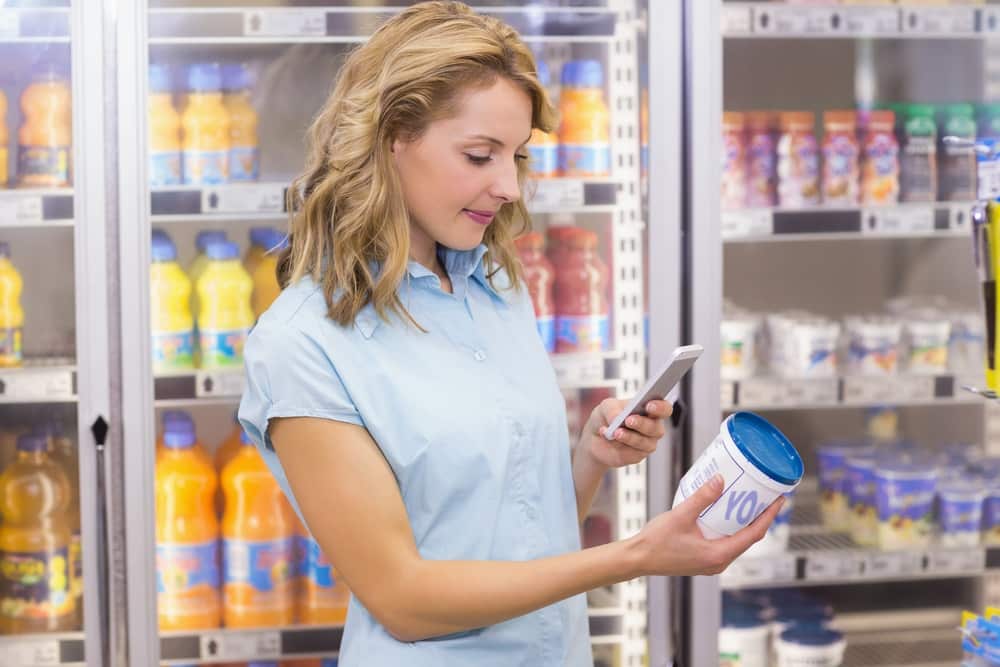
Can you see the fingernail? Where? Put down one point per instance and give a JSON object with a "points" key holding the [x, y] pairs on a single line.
{"points": [[619, 434], [716, 481], [630, 421]]}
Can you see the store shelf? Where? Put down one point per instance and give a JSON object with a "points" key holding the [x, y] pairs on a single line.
{"points": [[775, 393], [267, 200], [573, 371], [348, 25], [773, 20], [36, 208], [42, 650], [39, 381], [948, 220], [34, 25]]}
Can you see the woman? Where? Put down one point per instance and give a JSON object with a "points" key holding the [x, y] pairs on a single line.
{"points": [[398, 387]]}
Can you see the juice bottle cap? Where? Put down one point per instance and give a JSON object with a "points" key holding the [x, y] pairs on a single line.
{"points": [[559, 235], [920, 111], [236, 77], [222, 250], [208, 236], [530, 241], [733, 120], [543, 73], [961, 109], [163, 250], [274, 241], [590, 75], [179, 436], [798, 120], [582, 239], [766, 447], [840, 119], [205, 78], [760, 120], [171, 417], [882, 119], [159, 79], [811, 635], [4, 249], [259, 236], [32, 442], [569, 75]]}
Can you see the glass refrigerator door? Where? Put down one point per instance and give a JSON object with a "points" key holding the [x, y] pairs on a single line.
{"points": [[831, 268], [265, 70], [54, 378]]}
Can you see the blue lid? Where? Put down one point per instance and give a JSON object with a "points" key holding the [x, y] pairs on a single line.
{"points": [[32, 442], [590, 74], [258, 236], [236, 77], [569, 73], [741, 618], [163, 250], [222, 250], [159, 79], [208, 236], [176, 417], [51, 428], [275, 240], [329, 662], [766, 447], [808, 614], [4, 249], [811, 635], [543, 73], [179, 436], [205, 78]]}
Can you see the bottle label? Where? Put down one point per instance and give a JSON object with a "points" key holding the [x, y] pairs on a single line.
{"points": [[173, 350], [301, 555], [43, 164], [544, 159], [589, 333], [76, 565], [35, 584], [206, 167], [222, 349], [317, 570], [183, 568], [585, 159], [262, 569], [4, 157], [10, 346], [164, 168], [244, 163], [547, 330]]}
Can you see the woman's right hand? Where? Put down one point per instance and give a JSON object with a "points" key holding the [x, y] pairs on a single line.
{"points": [[671, 544]]}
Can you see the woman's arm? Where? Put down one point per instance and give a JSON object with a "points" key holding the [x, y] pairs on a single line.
{"points": [[353, 508]]}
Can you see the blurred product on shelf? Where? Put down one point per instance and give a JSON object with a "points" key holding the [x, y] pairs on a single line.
{"points": [[11, 312], [164, 130], [960, 510], [882, 423], [321, 594], [580, 290], [740, 339], [873, 345], [259, 237], [734, 160], [834, 502], [540, 278], [257, 545], [596, 530], [798, 160], [172, 326], [544, 146], [918, 154], [265, 274], [744, 637], [35, 536], [762, 173], [225, 316], [179, 420], [981, 638], [585, 122], [991, 512], [574, 414], [187, 533], [200, 261], [988, 120], [244, 153], [810, 646], [643, 118], [966, 347], [46, 135], [904, 499], [880, 159], [224, 453], [803, 345], [862, 497], [4, 142], [957, 172], [757, 463], [206, 128], [841, 164]]}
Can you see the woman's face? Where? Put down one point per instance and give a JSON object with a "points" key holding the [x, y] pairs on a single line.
{"points": [[463, 169]]}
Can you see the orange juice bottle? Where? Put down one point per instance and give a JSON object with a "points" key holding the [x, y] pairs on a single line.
{"points": [[257, 545], [543, 146], [46, 137], [229, 448], [164, 130], [244, 155], [585, 122], [35, 591], [63, 451], [187, 534], [259, 237], [205, 124], [4, 139], [265, 274], [178, 419], [11, 313], [322, 595]]}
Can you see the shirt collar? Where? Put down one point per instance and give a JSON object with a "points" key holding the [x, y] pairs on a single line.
{"points": [[458, 263]]}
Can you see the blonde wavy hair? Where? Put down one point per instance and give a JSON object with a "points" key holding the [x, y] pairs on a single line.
{"points": [[347, 209]]}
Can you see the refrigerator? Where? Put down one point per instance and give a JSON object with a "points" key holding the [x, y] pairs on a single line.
{"points": [[290, 52], [827, 183]]}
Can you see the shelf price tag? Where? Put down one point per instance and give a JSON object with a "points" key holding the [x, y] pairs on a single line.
{"points": [[956, 562], [775, 569], [30, 653], [868, 389], [833, 566], [871, 20], [241, 645], [761, 391], [736, 20], [939, 20], [10, 24], [285, 23], [215, 384], [32, 385], [249, 198], [991, 20], [573, 370], [796, 21], [897, 219], [809, 392], [747, 222], [20, 210], [891, 564], [556, 194], [915, 388]]}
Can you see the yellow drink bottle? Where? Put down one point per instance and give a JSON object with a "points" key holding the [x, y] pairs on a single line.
{"points": [[225, 318]]}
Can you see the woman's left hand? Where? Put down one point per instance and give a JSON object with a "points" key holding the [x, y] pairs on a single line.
{"points": [[633, 441]]}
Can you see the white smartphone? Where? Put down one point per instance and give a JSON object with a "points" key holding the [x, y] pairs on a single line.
{"points": [[658, 386]]}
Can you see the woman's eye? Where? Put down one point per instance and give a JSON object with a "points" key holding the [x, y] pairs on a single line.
{"points": [[522, 157], [478, 159]]}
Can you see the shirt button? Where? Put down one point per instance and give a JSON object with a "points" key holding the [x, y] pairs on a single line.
{"points": [[480, 355], [531, 512]]}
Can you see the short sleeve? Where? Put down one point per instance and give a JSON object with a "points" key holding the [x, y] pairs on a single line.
{"points": [[288, 374]]}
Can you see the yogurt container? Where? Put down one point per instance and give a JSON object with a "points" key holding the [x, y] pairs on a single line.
{"points": [[811, 646], [927, 352], [873, 346], [794, 617], [904, 498], [804, 347], [775, 540], [960, 511], [861, 498], [739, 347], [832, 457], [966, 347], [743, 639], [757, 463]]}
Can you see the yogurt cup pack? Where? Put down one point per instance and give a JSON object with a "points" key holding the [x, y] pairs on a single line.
{"points": [[861, 498], [803, 345], [927, 339], [904, 493], [873, 345], [832, 458], [740, 333], [967, 345], [757, 464], [810, 646], [960, 511]]}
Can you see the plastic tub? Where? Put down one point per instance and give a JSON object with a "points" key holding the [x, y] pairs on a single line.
{"points": [[904, 496], [873, 346], [832, 457], [960, 508], [861, 498], [927, 351], [811, 646], [743, 639]]}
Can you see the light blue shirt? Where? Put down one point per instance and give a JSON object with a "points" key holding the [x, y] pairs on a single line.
{"points": [[472, 422]]}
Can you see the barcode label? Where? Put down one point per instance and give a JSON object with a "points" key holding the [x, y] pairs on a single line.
{"points": [[871, 21], [940, 21], [577, 370], [796, 21], [27, 653], [747, 222], [897, 219], [285, 23], [249, 198], [241, 645], [212, 384]]}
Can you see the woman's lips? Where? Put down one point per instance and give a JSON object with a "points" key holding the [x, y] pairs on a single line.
{"points": [[480, 217]]}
